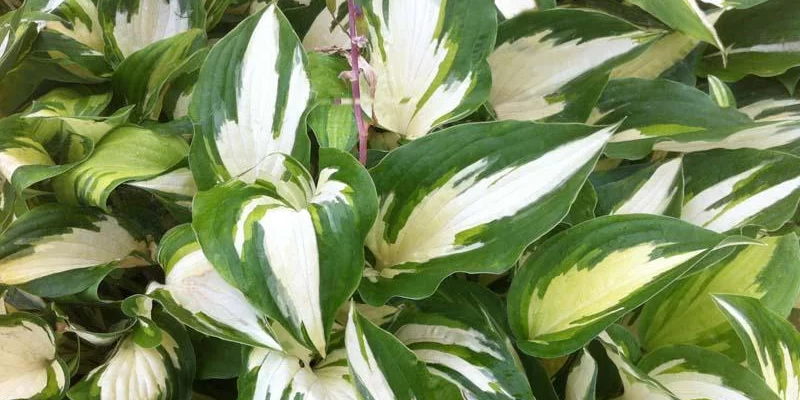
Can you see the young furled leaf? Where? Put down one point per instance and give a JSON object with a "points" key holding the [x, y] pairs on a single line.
{"points": [[250, 101], [606, 267], [195, 294], [470, 198], [429, 59], [294, 248], [695, 373], [31, 367], [772, 344], [54, 250], [568, 54], [685, 313], [383, 368]]}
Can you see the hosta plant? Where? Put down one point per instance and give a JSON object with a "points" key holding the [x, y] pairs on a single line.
{"points": [[399, 199]]}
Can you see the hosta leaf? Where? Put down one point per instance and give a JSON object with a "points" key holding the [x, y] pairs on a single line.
{"points": [[694, 373], [636, 384], [241, 117], [144, 76], [333, 122], [567, 54], [302, 242], [772, 344], [31, 367], [319, 23], [381, 367], [685, 16], [175, 188], [720, 92], [745, 187], [55, 250], [769, 46], [195, 294], [275, 375], [654, 189], [765, 99], [429, 60], [125, 154], [686, 314], [669, 116], [511, 8], [131, 25], [582, 378], [16, 37], [633, 256], [134, 372], [662, 54], [471, 198], [8, 202], [456, 335]]}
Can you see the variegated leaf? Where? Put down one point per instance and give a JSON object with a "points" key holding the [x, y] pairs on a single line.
{"points": [[769, 46], [145, 75], [321, 23], [195, 294], [636, 384], [653, 189], [512, 8], [31, 369], [745, 187], [331, 119], [273, 375], [455, 333], [772, 344], [127, 153], [566, 58], [241, 117], [381, 367], [55, 250], [694, 373], [17, 34], [429, 60], [605, 267], [764, 99], [582, 378], [662, 54], [175, 188], [685, 16], [131, 25], [470, 198], [135, 372], [301, 240], [720, 92], [669, 116], [685, 313]]}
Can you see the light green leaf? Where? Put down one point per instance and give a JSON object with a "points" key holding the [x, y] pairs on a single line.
{"points": [[55, 250], [720, 92], [685, 16], [332, 119], [607, 266], [470, 198], [241, 117], [31, 367], [382, 367], [582, 378], [270, 374], [669, 116], [195, 294], [694, 373], [429, 60], [769, 46], [125, 154], [566, 55], [664, 53], [134, 372], [745, 187], [455, 333], [131, 25], [301, 240], [686, 314], [145, 75], [772, 344], [653, 189]]}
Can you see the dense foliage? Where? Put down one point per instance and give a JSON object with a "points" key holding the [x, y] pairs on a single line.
{"points": [[580, 199]]}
